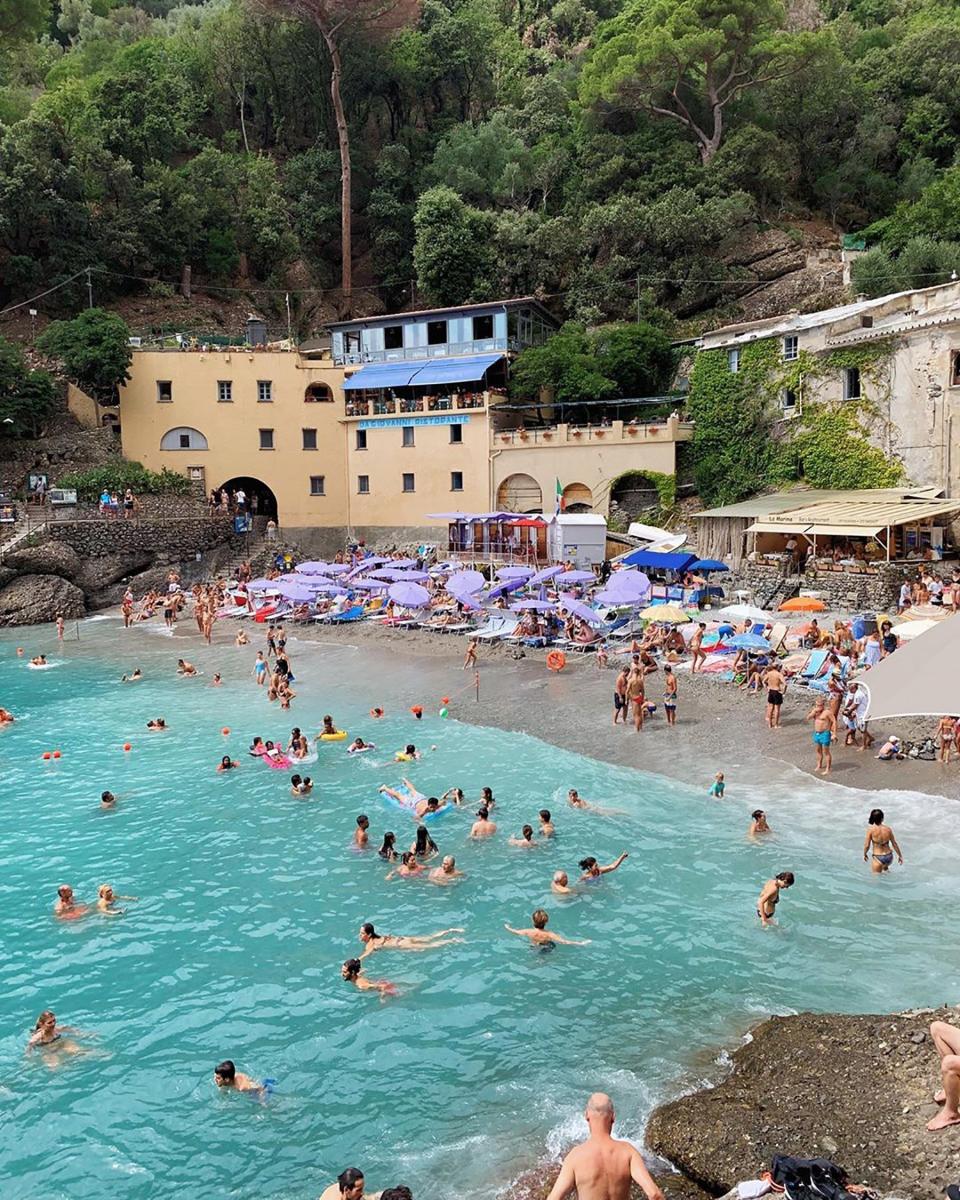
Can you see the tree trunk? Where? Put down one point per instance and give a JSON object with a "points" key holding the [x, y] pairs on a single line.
{"points": [[343, 139], [185, 272], [709, 146]]}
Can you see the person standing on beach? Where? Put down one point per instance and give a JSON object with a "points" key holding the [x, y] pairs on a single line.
{"points": [[696, 647], [621, 706], [946, 1038], [670, 693], [881, 842], [602, 1167], [470, 658], [775, 683], [824, 731], [637, 697], [770, 897]]}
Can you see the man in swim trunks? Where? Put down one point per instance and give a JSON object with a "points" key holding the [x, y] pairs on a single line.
{"points": [[670, 692], [621, 707], [603, 1168], [881, 843], [770, 897], [66, 906], [946, 1038], [636, 697], [447, 871], [380, 941], [227, 1075], [776, 684], [483, 827], [824, 731], [540, 935], [349, 1186]]}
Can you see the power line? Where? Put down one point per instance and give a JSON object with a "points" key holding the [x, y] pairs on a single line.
{"points": [[56, 288]]}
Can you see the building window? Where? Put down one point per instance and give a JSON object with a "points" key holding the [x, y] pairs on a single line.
{"points": [[408, 435], [436, 333], [363, 484], [164, 391], [266, 439], [408, 482], [456, 435], [955, 369], [733, 361], [225, 391], [788, 401], [309, 439], [456, 481], [790, 349], [393, 337], [264, 391], [185, 441], [482, 328], [318, 393], [361, 439], [317, 485], [851, 383], [183, 438]]}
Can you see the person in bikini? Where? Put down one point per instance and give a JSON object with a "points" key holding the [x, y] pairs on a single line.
{"points": [[48, 1036], [946, 735], [770, 897], [946, 1038], [373, 941], [881, 844], [696, 647], [775, 683]]}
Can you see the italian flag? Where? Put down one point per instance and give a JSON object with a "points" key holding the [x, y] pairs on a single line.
{"points": [[560, 504]]}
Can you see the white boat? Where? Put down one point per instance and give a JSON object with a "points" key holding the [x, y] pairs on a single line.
{"points": [[668, 543], [647, 533]]}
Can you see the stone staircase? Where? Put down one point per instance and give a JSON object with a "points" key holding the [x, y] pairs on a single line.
{"points": [[14, 535]]}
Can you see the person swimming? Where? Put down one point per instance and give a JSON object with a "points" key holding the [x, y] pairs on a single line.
{"points": [[352, 972], [134, 677], [49, 1036], [358, 746], [447, 871], [526, 838], [455, 796], [107, 800], [227, 764], [546, 823], [770, 896], [424, 846], [387, 851], [6, 717], [66, 906], [157, 724], [373, 941], [408, 754], [361, 838], [39, 661], [880, 843], [107, 898], [185, 668], [758, 824], [409, 867], [560, 884], [329, 729], [216, 681], [226, 1075], [483, 827], [592, 870], [486, 799], [540, 935]]}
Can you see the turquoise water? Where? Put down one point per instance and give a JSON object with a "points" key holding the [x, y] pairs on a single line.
{"points": [[251, 900]]}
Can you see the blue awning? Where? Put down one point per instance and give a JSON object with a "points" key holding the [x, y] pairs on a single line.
{"points": [[667, 562], [383, 375], [469, 369]]}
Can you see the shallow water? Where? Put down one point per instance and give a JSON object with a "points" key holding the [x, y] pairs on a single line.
{"points": [[251, 900]]}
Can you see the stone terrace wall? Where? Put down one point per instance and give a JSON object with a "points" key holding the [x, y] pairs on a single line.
{"points": [[839, 590], [177, 538]]}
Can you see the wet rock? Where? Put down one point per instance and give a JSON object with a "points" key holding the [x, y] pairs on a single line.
{"points": [[50, 558], [96, 574], [37, 599]]}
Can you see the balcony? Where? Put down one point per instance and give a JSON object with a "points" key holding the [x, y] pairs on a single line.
{"points": [[363, 405], [416, 353], [617, 433]]}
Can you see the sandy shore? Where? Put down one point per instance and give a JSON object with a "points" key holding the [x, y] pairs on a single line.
{"points": [[719, 727]]}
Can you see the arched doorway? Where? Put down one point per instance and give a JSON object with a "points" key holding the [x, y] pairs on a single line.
{"points": [[266, 501], [634, 494], [577, 498], [520, 494]]}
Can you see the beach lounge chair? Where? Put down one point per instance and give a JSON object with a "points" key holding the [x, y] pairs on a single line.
{"points": [[777, 636], [496, 628], [352, 614], [813, 664]]}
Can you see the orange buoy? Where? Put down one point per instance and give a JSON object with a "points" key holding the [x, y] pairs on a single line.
{"points": [[56, 754], [417, 710], [444, 699], [127, 746], [47, 755], [556, 660], [225, 730]]}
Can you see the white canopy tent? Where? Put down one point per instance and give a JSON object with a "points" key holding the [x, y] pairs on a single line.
{"points": [[921, 679]]}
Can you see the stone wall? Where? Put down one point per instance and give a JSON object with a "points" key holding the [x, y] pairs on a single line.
{"points": [[849, 592], [176, 538]]}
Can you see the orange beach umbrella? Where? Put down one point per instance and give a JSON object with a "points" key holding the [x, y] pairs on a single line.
{"points": [[803, 604]]}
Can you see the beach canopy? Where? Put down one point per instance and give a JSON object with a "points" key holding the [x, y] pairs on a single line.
{"points": [[653, 560], [803, 604], [706, 565], [665, 614], [465, 581], [545, 575], [515, 573], [920, 679], [749, 641], [744, 612], [409, 595], [578, 609], [569, 577]]}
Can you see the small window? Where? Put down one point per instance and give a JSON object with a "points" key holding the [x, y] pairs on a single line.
{"points": [[361, 439], [456, 435], [225, 391], [363, 484], [790, 349], [482, 328], [851, 383], [393, 337], [408, 482], [318, 393], [955, 369], [265, 391], [317, 485], [266, 439], [184, 441], [788, 400], [733, 361], [408, 435], [164, 391], [309, 439], [456, 481], [436, 333]]}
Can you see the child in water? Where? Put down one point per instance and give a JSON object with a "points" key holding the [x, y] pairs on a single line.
{"points": [[718, 786]]}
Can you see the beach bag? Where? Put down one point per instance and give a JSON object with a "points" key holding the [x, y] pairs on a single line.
{"points": [[809, 1178]]}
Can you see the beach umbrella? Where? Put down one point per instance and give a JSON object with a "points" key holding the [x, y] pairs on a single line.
{"points": [[802, 604], [399, 564], [504, 588], [748, 641], [367, 585], [546, 574], [314, 568], [578, 609], [630, 583], [515, 572], [395, 576], [262, 585], [705, 565], [569, 577], [465, 581], [307, 581], [295, 592], [619, 599], [744, 612], [665, 614], [908, 630], [409, 595], [336, 568], [534, 605]]}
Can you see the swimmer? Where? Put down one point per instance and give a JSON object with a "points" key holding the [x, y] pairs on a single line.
{"points": [[226, 1075], [560, 885], [758, 824], [106, 898], [227, 764], [382, 941], [6, 717], [19, 652], [107, 799], [216, 681], [424, 846], [66, 906], [361, 839], [185, 668], [718, 786], [540, 935], [260, 669], [349, 1185], [48, 1035], [408, 753], [447, 871], [575, 800], [546, 823], [483, 827], [376, 713], [329, 729], [158, 724], [409, 867], [770, 897], [455, 796], [525, 839], [134, 677], [388, 851], [241, 639], [486, 799], [256, 747], [881, 843], [352, 972], [296, 785], [297, 746], [39, 661], [306, 787], [358, 746], [592, 870]]}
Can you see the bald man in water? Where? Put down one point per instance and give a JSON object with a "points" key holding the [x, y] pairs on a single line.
{"points": [[602, 1168]]}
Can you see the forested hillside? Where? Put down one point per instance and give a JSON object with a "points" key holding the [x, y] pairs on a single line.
{"points": [[604, 154]]}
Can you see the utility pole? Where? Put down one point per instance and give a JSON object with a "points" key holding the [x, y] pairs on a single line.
{"points": [[89, 290], [289, 333], [638, 299]]}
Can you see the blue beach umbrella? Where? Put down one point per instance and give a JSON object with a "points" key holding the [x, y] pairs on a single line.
{"points": [[749, 641], [706, 565]]}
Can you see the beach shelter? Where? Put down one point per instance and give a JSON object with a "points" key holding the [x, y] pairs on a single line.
{"points": [[665, 614], [409, 595], [653, 561], [920, 679]]}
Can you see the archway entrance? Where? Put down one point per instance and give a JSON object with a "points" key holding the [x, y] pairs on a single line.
{"points": [[577, 498], [634, 494], [520, 494], [266, 501]]}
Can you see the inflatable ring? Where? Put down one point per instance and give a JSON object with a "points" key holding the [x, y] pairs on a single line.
{"points": [[333, 737], [556, 660]]}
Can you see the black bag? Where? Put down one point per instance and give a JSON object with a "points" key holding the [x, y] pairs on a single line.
{"points": [[809, 1178]]}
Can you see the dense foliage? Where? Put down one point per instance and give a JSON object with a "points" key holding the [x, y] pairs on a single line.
{"points": [[94, 349], [576, 148], [119, 475], [26, 397]]}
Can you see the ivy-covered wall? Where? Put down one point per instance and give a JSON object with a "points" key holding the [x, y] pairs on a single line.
{"points": [[743, 445]]}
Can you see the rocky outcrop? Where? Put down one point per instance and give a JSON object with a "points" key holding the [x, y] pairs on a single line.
{"points": [[38, 599], [50, 558], [97, 574], [857, 1089]]}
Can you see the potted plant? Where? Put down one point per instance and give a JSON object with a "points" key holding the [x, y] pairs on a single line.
{"points": [[632, 430], [523, 434], [547, 435], [578, 433]]}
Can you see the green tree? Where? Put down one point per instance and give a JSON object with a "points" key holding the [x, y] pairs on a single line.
{"points": [[22, 20], [94, 349], [687, 60], [565, 368], [26, 397], [637, 357], [454, 252]]}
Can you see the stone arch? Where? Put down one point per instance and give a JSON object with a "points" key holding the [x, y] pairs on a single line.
{"points": [[577, 497], [634, 493], [183, 437], [318, 393], [266, 505], [520, 494]]}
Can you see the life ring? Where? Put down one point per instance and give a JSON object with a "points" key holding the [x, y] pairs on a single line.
{"points": [[333, 737], [556, 660]]}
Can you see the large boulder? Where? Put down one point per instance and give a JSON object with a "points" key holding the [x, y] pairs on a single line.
{"points": [[38, 599], [50, 558], [152, 579], [96, 574]]}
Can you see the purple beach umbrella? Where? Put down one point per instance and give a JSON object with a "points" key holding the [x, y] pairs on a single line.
{"points": [[465, 581], [515, 573], [574, 577], [535, 605], [578, 609], [312, 568], [544, 575], [502, 589], [409, 595]]}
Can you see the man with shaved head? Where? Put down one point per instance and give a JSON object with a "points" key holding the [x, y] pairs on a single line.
{"points": [[602, 1168]]}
